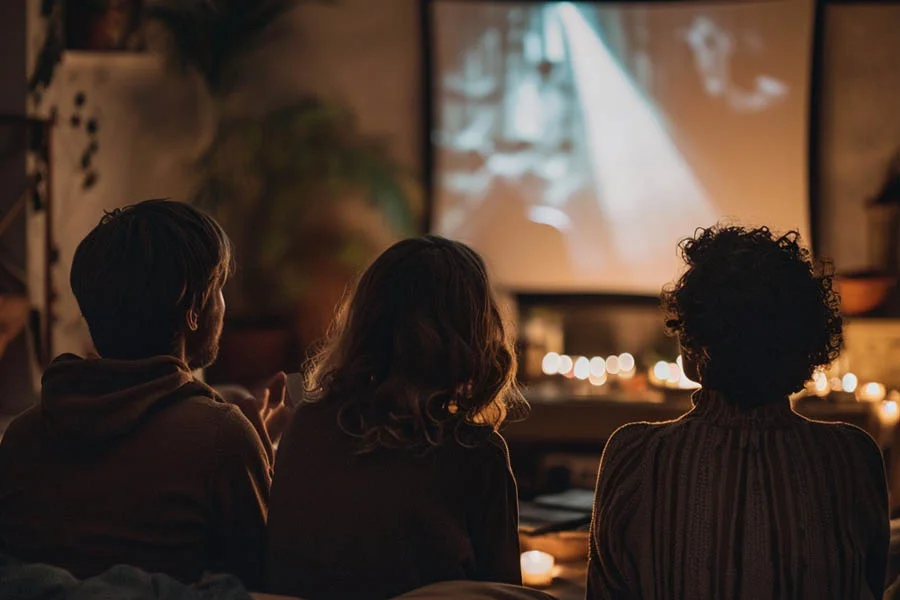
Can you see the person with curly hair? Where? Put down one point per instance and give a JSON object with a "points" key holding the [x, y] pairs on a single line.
{"points": [[392, 475], [742, 498]]}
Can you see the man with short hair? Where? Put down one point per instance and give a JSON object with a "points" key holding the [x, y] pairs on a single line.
{"points": [[128, 459]]}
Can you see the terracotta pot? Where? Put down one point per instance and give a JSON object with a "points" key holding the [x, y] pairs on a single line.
{"points": [[864, 292], [251, 353]]}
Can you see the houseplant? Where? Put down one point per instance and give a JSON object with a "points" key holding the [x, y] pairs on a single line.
{"points": [[307, 198]]}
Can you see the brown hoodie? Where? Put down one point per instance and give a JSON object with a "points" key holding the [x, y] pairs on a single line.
{"points": [[133, 462]]}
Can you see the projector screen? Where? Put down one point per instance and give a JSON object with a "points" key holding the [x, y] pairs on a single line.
{"points": [[575, 143]]}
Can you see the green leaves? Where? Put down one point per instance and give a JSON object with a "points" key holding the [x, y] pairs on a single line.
{"points": [[282, 185]]}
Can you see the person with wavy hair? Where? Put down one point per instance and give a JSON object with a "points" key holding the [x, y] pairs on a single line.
{"points": [[392, 474], [741, 497]]}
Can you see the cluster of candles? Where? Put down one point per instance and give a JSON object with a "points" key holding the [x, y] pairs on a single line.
{"points": [[671, 375], [888, 402], [597, 370]]}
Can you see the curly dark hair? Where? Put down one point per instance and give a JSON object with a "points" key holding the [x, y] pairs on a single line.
{"points": [[419, 354], [750, 297]]}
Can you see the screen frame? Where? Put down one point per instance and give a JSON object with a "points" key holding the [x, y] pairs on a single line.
{"points": [[814, 134]]}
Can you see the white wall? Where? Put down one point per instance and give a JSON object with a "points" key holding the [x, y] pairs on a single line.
{"points": [[152, 126]]}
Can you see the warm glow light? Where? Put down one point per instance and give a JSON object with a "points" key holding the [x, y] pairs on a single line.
{"points": [[627, 374], [582, 368], [550, 364], [612, 365], [871, 392], [836, 385], [661, 370], [537, 568], [598, 380], [820, 384], [626, 362], [674, 375], [889, 413], [565, 364], [686, 383], [849, 383], [598, 366]]}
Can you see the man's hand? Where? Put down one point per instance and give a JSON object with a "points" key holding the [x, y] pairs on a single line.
{"points": [[276, 414]]}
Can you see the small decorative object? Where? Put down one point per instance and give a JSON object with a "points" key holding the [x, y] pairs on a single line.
{"points": [[537, 568], [91, 128], [101, 24]]}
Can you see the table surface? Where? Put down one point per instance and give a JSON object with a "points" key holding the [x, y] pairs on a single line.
{"points": [[569, 583]]}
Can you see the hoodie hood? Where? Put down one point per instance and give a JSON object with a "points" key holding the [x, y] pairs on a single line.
{"points": [[94, 399]]}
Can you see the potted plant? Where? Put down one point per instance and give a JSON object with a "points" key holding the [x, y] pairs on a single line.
{"points": [[308, 201], [306, 197]]}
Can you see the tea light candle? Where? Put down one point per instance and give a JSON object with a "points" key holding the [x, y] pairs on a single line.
{"points": [[871, 392], [888, 414], [537, 568]]}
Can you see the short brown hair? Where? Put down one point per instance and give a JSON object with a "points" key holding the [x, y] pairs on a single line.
{"points": [[419, 354], [141, 269]]}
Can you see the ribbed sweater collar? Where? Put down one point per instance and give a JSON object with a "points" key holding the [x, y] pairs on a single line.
{"points": [[713, 407]]}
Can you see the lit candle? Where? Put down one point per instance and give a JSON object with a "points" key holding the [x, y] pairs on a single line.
{"points": [[582, 368], [871, 392], [537, 568], [659, 373], [888, 413], [820, 384], [550, 363], [849, 382]]}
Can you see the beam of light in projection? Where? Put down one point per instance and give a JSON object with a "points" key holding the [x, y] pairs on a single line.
{"points": [[645, 187]]}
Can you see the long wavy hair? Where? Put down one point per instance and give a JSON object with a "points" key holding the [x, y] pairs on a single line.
{"points": [[419, 354]]}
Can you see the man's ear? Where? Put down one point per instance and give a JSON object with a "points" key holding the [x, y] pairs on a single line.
{"points": [[192, 319]]}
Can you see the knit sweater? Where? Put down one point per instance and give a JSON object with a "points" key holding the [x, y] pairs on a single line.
{"points": [[733, 503]]}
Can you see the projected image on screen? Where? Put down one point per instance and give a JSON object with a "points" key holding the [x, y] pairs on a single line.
{"points": [[578, 142]]}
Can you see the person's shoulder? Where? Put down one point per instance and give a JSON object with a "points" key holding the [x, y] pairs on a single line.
{"points": [[487, 443], [484, 449], [860, 441], [22, 428], [845, 436], [224, 421], [852, 442], [633, 436]]}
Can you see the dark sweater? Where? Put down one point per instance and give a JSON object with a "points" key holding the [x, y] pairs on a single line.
{"points": [[739, 504], [344, 525], [133, 462]]}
